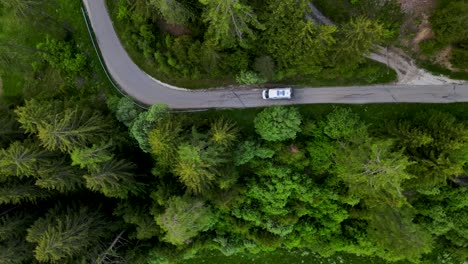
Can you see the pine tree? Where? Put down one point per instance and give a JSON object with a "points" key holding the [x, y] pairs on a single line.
{"points": [[75, 128], [90, 158], [10, 129], [373, 172], [22, 159], [114, 178], [358, 37], [230, 21], [15, 251], [64, 235], [173, 11], [35, 112], [223, 132], [60, 176], [163, 140], [16, 192]]}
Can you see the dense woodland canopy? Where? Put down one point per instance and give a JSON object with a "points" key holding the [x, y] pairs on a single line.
{"points": [[86, 176]]}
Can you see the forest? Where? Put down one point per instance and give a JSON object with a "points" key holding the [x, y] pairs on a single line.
{"points": [[87, 176]]}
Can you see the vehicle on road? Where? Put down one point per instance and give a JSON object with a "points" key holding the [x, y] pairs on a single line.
{"points": [[277, 93]]}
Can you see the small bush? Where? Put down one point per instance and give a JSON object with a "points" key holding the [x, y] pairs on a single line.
{"points": [[430, 47], [460, 57], [265, 66], [249, 77]]}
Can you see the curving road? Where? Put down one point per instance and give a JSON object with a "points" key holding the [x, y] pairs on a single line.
{"points": [[148, 90]]}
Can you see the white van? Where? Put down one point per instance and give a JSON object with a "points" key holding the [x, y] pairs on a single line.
{"points": [[277, 93]]}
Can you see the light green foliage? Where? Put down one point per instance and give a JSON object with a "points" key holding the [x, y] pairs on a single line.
{"points": [[145, 122], [278, 123], [34, 112], [230, 22], [163, 140], [173, 11], [22, 159], [195, 169], [248, 150], [184, 218], [90, 158], [342, 124], [65, 235], [127, 111], [114, 178], [445, 214], [249, 77], [223, 132], [199, 160], [74, 128], [62, 55], [373, 172]]}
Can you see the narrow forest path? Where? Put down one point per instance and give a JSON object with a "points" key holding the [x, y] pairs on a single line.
{"points": [[407, 70]]}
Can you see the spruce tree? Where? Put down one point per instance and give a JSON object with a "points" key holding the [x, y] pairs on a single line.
{"points": [[114, 178], [63, 235]]}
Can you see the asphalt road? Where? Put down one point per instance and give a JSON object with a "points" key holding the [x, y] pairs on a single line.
{"points": [[148, 90]]}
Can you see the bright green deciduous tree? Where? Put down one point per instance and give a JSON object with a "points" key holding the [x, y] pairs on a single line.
{"points": [[127, 111], [373, 171], [343, 124], [62, 55], [184, 218], [278, 123], [145, 122]]}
